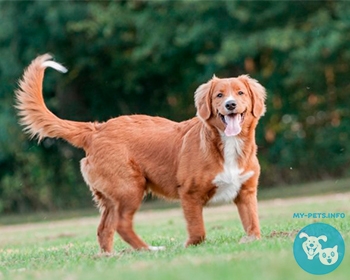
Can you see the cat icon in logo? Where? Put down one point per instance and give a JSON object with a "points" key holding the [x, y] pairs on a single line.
{"points": [[329, 256], [311, 245], [319, 248]]}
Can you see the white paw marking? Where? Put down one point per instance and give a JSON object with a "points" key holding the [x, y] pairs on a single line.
{"points": [[248, 239], [156, 248]]}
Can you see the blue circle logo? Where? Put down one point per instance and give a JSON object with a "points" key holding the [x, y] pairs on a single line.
{"points": [[319, 248]]}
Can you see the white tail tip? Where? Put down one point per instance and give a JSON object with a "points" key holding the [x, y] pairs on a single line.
{"points": [[55, 65]]}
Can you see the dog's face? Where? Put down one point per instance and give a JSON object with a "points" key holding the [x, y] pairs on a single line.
{"points": [[312, 245], [229, 104]]}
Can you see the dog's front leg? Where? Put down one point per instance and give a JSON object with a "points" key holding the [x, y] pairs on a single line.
{"points": [[247, 205], [193, 211]]}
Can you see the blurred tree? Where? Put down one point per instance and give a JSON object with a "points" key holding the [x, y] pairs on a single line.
{"points": [[148, 57], [35, 177]]}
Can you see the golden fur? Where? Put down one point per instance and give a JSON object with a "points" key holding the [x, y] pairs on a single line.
{"points": [[130, 155]]}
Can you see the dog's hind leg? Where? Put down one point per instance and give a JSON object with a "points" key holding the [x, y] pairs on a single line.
{"points": [[125, 227], [108, 223], [126, 211], [118, 216]]}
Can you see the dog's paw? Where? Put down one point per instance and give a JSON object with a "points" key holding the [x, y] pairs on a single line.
{"points": [[105, 255], [156, 248], [195, 240], [247, 239]]}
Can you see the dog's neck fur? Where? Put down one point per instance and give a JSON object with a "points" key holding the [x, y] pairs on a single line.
{"points": [[232, 148]]}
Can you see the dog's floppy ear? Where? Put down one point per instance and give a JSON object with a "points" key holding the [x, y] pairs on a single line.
{"points": [[202, 100], [303, 234], [258, 94], [322, 237]]}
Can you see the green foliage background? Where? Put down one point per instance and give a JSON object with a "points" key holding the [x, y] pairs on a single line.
{"points": [[148, 57]]}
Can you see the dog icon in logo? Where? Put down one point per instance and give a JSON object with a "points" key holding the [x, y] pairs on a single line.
{"points": [[329, 256], [311, 245]]}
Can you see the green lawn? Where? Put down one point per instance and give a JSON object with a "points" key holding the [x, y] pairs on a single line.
{"points": [[67, 249]]}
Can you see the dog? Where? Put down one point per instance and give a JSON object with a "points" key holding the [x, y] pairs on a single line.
{"points": [[206, 160], [311, 245]]}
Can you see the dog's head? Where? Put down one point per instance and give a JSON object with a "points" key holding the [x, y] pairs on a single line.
{"points": [[311, 245], [230, 104]]}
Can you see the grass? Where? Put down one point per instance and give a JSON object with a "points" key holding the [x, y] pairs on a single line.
{"points": [[308, 189], [67, 249], [299, 190]]}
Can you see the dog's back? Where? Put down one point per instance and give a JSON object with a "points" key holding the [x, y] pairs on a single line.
{"points": [[150, 145]]}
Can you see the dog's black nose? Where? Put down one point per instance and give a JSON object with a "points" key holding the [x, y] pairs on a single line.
{"points": [[230, 105]]}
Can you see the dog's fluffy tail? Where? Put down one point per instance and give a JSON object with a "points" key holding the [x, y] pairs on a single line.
{"points": [[36, 118]]}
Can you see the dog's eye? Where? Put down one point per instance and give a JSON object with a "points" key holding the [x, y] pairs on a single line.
{"points": [[219, 95], [240, 92]]}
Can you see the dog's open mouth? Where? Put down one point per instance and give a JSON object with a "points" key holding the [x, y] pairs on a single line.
{"points": [[233, 123], [311, 251]]}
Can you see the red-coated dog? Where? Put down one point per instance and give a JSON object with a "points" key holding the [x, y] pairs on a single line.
{"points": [[208, 159]]}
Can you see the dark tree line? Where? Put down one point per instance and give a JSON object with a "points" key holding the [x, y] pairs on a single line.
{"points": [[148, 57]]}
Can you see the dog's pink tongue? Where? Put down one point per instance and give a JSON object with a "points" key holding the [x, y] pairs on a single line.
{"points": [[233, 124], [311, 252]]}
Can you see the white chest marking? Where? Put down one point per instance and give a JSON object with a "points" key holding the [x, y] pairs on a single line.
{"points": [[230, 180]]}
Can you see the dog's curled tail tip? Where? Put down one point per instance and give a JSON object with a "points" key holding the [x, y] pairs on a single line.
{"points": [[48, 62]]}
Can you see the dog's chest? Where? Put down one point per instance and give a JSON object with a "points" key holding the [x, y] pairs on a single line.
{"points": [[230, 180]]}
